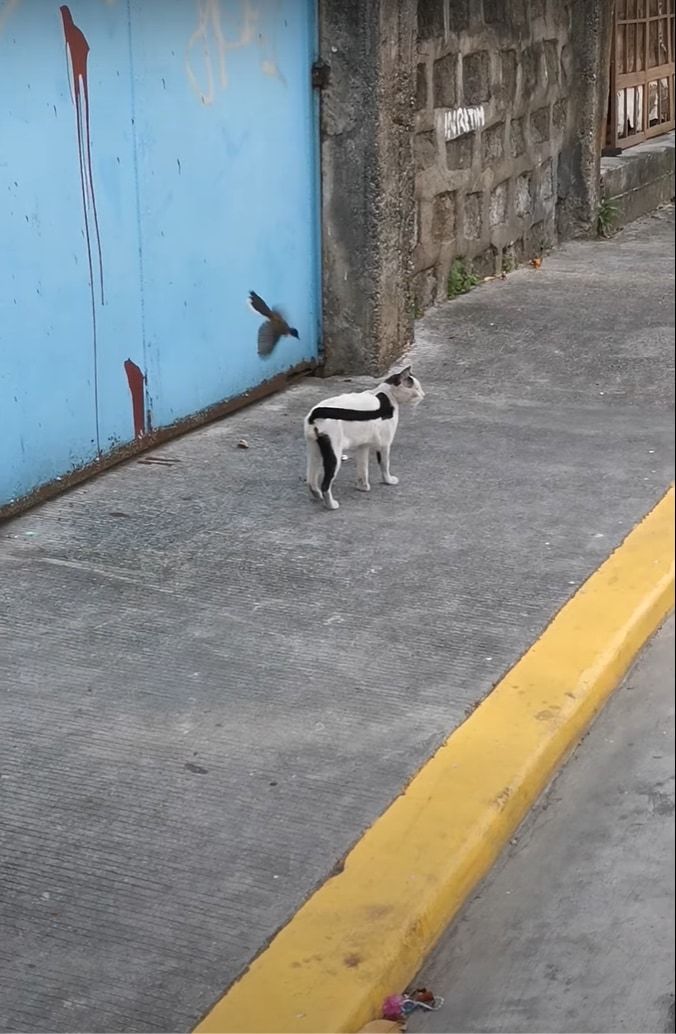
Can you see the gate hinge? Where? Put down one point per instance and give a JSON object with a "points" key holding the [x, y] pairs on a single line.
{"points": [[320, 75]]}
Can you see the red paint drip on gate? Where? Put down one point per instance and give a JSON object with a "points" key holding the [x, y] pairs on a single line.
{"points": [[77, 53], [137, 388]]}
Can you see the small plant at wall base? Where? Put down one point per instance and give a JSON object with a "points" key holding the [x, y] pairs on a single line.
{"points": [[606, 217], [460, 279]]}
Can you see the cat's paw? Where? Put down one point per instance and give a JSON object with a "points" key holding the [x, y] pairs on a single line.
{"points": [[314, 492], [391, 480], [363, 486], [331, 504]]}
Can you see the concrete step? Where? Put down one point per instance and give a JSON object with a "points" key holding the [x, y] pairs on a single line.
{"points": [[641, 179]]}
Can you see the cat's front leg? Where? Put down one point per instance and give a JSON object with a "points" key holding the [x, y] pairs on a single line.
{"points": [[363, 469], [384, 462]]}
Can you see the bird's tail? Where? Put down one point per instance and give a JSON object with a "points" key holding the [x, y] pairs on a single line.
{"points": [[258, 305]]}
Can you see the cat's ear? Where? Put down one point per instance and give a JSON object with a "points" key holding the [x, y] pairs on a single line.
{"points": [[397, 378]]}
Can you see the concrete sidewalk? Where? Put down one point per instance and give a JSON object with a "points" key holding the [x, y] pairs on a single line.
{"points": [[212, 686]]}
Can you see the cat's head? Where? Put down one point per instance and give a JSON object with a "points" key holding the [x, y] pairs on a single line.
{"points": [[404, 387]]}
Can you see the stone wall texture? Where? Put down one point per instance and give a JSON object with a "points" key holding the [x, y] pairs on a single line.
{"points": [[366, 129], [494, 90]]}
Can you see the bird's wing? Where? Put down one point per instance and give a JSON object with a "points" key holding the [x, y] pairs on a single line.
{"points": [[268, 336], [279, 316], [259, 306]]}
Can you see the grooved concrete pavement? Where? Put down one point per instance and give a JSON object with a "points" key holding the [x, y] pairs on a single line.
{"points": [[210, 686]]}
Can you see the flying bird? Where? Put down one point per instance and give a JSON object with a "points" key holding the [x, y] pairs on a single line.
{"points": [[275, 325]]}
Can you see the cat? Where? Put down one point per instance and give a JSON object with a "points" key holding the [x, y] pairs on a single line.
{"points": [[359, 420]]}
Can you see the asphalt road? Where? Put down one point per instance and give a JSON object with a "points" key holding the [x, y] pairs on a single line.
{"points": [[574, 929]]}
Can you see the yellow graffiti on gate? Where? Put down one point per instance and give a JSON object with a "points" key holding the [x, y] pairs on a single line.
{"points": [[6, 8], [210, 38]]}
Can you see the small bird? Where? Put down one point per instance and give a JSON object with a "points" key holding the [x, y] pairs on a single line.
{"points": [[275, 325]]}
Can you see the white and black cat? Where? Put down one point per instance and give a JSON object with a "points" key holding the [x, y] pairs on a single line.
{"points": [[359, 420]]}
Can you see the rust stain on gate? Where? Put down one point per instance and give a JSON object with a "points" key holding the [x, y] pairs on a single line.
{"points": [[147, 441]]}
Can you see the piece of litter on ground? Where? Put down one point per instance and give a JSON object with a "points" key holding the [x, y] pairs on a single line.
{"points": [[382, 1027], [398, 1007], [242, 444], [197, 769]]}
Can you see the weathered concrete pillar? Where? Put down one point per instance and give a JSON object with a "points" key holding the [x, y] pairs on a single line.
{"points": [[367, 181], [579, 166]]}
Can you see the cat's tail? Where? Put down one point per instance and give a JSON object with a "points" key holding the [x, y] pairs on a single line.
{"points": [[328, 459]]}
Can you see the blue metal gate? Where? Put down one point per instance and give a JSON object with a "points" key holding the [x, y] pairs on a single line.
{"points": [[157, 162]]}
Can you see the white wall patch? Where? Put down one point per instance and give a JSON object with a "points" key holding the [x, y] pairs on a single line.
{"points": [[463, 120]]}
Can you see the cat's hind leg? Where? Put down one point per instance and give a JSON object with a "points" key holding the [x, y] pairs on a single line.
{"points": [[332, 455], [329, 502], [315, 469], [363, 469]]}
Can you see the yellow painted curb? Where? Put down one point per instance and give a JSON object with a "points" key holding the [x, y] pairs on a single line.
{"points": [[364, 933]]}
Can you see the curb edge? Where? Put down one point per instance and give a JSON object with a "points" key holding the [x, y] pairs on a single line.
{"points": [[365, 932]]}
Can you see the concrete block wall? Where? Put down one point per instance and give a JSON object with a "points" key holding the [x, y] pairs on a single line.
{"points": [[494, 80], [367, 112]]}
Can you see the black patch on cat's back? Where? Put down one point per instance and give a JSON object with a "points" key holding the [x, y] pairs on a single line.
{"points": [[384, 412]]}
